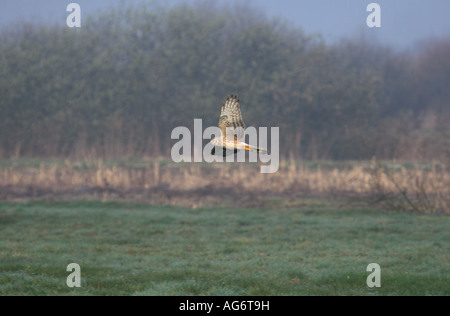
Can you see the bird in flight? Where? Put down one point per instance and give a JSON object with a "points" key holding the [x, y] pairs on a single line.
{"points": [[231, 117]]}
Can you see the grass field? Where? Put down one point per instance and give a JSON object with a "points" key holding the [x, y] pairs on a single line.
{"points": [[138, 249]]}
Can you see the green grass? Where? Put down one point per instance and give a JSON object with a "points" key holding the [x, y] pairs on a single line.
{"points": [[137, 249]]}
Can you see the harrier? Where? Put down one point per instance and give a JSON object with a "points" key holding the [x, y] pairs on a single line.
{"points": [[231, 117]]}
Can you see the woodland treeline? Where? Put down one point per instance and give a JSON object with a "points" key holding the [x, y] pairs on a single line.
{"points": [[117, 86]]}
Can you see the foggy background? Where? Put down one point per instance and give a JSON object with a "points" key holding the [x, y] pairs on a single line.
{"points": [[405, 24], [118, 85]]}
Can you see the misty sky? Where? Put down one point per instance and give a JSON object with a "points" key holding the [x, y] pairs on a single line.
{"points": [[404, 23]]}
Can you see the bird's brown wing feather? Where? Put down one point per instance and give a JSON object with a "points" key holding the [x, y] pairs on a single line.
{"points": [[230, 116]]}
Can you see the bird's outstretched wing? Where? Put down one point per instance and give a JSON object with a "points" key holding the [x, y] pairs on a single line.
{"points": [[230, 116]]}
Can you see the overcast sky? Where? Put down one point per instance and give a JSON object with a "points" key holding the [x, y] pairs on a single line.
{"points": [[404, 23]]}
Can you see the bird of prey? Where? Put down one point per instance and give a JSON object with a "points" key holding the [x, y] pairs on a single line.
{"points": [[231, 117]]}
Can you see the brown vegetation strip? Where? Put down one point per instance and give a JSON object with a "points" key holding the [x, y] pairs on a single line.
{"points": [[235, 184]]}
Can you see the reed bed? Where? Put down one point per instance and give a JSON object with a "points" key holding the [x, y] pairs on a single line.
{"points": [[419, 189]]}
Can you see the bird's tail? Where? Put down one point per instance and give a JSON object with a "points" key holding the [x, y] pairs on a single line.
{"points": [[255, 149]]}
